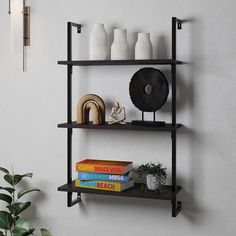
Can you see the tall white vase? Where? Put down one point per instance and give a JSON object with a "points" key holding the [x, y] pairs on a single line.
{"points": [[143, 47], [98, 45], [120, 47]]}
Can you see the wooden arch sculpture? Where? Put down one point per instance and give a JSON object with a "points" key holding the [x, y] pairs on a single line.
{"points": [[96, 105]]}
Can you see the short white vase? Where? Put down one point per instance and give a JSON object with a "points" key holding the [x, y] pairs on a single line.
{"points": [[143, 47], [153, 183], [98, 45], [120, 47]]}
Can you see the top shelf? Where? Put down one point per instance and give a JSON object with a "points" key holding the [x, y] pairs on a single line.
{"points": [[120, 62]]}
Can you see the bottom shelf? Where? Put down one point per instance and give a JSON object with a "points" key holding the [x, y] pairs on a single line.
{"points": [[135, 192]]}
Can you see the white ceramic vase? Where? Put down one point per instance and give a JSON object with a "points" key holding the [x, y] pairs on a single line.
{"points": [[120, 47], [143, 47], [98, 45], [153, 183]]}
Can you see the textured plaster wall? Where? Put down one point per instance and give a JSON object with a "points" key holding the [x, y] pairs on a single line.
{"points": [[33, 103]]}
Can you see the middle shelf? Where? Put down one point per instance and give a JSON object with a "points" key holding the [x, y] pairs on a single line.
{"points": [[127, 126]]}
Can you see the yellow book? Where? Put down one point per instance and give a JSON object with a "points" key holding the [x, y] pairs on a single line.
{"points": [[105, 185]]}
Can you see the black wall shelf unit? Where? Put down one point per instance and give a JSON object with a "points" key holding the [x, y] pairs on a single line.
{"points": [[170, 191]]}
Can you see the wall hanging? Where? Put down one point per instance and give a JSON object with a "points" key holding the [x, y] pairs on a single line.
{"points": [[20, 27]]}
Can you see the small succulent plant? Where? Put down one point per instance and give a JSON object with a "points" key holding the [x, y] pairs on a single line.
{"points": [[153, 169]]}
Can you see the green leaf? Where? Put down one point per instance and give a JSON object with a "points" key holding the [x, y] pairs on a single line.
{"points": [[18, 207], [21, 232], [45, 232], [18, 178], [6, 198], [22, 228], [6, 220], [9, 179], [13, 180], [9, 190], [23, 224], [30, 175], [4, 170], [25, 191]]}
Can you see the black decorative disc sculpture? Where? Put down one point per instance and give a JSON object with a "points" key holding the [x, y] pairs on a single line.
{"points": [[148, 90]]}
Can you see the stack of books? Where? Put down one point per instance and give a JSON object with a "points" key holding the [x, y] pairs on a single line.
{"points": [[104, 175]]}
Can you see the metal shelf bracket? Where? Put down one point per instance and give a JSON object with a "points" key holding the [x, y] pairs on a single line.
{"points": [[71, 202]]}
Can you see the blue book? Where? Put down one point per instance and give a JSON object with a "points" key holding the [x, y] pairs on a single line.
{"points": [[104, 177]]}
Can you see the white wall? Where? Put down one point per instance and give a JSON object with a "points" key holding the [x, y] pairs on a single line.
{"points": [[33, 103]]}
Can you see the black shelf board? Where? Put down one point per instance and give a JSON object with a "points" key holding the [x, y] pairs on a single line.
{"points": [[120, 62], [135, 192], [127, 126]]}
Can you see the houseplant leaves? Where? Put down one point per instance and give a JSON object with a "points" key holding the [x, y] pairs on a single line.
{"points": [[18, 207], [9, 190], [15, 179], [6, 220], [6, 198], [4, 170], [9, 179], [11, 222], [25, 191], [18, 178], [22, 228], [45, 232]]}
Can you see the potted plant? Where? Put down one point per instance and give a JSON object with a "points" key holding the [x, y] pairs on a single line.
{"points": [[11, 222], [153, 175]]}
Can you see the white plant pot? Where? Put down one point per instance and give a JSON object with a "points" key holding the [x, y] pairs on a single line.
{"points": [[143, 47], [153, 183], [98, 45], [120, 47]]}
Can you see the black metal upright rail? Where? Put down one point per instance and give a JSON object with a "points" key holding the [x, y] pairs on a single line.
{"points": [[176, 205], [176, 25], [70, 26]]}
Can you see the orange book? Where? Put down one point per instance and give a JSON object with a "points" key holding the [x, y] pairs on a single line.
{"points": [[104, 166]]}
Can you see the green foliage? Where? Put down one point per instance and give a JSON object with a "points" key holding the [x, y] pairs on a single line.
{"points": [[22, 228], [9, 179], [154, 169], [25, 191], [15, 179], [45, 232], [18, 207], [4, 170], [9, 190], [11, 222], [6, 198], [6, 220]]}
